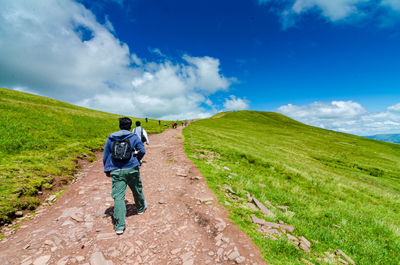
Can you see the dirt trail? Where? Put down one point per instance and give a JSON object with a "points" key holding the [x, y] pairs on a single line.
{"points": [[183, 224]]}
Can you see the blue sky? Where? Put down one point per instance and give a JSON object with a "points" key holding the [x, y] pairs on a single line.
{"points": [[333, 64]]}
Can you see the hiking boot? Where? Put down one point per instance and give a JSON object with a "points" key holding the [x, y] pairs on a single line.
{"points": [[119, 232], [144, 209]]}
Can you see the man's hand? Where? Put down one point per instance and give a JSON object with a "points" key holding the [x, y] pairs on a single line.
{"points": [[108, 174]]}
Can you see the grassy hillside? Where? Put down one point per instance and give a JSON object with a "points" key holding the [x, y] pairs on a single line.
{"points": [[40, 139], [340, 191]]}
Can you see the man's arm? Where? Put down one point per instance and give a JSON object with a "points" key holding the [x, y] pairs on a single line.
{"points": [[145, 136], [106, 154], [140, 147]]}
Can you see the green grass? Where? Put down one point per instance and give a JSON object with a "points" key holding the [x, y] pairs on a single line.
{"points": [[326, 178], [40, 140]]}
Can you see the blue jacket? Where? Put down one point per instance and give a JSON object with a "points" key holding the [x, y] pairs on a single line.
{"points": [[110, 164]]}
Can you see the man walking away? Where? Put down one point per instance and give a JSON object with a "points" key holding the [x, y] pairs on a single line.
{"points": [[122, 166], [141, 133]]}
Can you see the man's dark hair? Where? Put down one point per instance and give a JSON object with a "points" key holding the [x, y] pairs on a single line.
{"points": [[125, 123], [137, 123]]}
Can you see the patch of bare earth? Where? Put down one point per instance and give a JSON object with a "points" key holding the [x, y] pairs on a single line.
{"points": [[183, 224]]}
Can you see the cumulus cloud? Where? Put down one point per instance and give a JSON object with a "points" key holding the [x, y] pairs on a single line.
{"points": [[332, 10], [346, 116], [233, 103], [57, 48]]}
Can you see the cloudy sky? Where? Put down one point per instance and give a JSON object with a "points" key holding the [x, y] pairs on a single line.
{"points": [[332, 64]]}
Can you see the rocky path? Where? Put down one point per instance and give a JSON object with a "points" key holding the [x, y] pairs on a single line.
{"points": [[183, 224]]}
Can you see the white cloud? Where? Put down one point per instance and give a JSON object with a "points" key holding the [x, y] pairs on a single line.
{"points": [[158, 52], [206, 75], [394, 4], [58, 49], [346, 116], [395, 107], [332, 10], [233, 103]]}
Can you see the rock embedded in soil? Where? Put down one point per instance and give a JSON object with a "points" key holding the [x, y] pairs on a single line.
{"points": [[340, 252], [228, 188], [42, 260], [257, 220], [187, 258], [19, 213], [51, 198], [249, 197], [283, 208], [262, 208], [305, 241], [175, 251], [234, 254], [304, 247], [97, 258], [227, 168], [342, 261], [205, 199], [221, 225], [240, 259], [252, 206], [288, 228], [293, 239], [304, 244]]}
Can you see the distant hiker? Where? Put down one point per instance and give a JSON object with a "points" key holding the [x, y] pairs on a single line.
{"points": [[173, 125], [141, 133], [121, 163], [159, 122], [147, 120], [183, 123]]}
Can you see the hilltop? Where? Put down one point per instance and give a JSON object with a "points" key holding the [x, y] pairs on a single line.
{"points": [[339, 191], [42, 141]]}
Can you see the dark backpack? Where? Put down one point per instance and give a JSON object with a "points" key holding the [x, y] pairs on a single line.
{"points": [[121, 150], [141, 135]]}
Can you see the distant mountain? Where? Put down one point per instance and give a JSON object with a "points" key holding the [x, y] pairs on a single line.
{"points": [[391, 138]]}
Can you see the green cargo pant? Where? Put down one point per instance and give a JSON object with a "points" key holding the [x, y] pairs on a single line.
{"points": [[120, 178]]}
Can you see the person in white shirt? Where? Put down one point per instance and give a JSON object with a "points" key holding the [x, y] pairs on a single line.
{"points": [[141, 133]]}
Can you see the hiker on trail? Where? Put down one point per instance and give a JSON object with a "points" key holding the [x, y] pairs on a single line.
{"points": [[121, 163], [147, 120], [159, 122], [173, 125], [141, 133]]}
